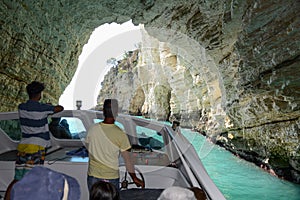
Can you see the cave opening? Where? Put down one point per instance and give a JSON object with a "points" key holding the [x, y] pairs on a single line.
{"points": [[166, 54], [106, 42]]}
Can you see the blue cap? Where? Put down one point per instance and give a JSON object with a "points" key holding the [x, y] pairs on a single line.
{"points": [[45, 184]]}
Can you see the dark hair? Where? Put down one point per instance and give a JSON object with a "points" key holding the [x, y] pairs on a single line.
{"points": [[199, 193], [34, 88], [104, 191], [110, 108]]}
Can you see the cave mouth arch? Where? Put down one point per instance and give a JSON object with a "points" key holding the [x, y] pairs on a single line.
{"points": [[191, 59], [189, 51], [106, 41]]}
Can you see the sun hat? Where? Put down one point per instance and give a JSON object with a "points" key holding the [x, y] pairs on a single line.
{"points": [[45, 184]]}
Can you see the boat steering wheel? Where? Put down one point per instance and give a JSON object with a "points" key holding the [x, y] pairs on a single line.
{"points": [[128, 180]]}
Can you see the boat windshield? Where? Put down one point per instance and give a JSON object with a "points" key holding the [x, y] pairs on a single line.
{"points": [[149, 138], [67, 127]]}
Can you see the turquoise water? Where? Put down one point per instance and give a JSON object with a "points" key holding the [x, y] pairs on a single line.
{"points": [[238, 179]]}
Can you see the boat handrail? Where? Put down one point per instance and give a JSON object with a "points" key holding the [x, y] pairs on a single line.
{"points": [[208, 185], [194, 182]]}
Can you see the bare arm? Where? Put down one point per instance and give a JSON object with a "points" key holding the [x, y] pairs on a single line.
{"points": [[130, 169], [58, 108]]}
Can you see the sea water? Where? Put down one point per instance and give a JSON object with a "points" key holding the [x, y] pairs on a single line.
{"points": [[238, 179]]}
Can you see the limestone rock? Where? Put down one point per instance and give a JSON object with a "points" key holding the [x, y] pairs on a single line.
{"points": [[222, 67]]}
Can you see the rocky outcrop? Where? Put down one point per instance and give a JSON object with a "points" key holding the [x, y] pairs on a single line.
{"points": [[228, 68]]}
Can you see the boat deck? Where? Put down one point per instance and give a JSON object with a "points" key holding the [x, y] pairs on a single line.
{"points": [[152, 164]]}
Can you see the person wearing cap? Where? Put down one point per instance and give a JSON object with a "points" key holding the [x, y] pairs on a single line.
{"points": [[43, 183], [35, 139], [105, 141]]}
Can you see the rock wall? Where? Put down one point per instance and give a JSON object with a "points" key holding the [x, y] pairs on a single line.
{"points": [[230, 69]]}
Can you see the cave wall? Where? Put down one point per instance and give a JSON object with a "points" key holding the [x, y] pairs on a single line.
{"points": [[242, 58], [42, 40], [254, 115]]}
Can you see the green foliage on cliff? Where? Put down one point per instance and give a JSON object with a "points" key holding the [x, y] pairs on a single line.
{"points": [[12, 128]]}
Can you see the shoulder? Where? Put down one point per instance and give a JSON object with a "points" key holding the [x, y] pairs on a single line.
{"points": [[118, 130], [36, 106], [93, 127], [21, 105], [45, 107]]}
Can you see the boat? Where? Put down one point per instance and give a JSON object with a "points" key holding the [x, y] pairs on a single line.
{"points": [[163, 157]]}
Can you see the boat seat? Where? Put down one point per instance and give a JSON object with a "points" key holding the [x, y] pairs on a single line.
{"points": [[140, 194], [8, 156]]}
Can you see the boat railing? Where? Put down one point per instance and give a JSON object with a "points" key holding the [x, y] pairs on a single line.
{"points": [[194, 166]]}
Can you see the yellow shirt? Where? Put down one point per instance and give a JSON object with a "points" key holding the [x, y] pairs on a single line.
{"points": [[104, 143]]}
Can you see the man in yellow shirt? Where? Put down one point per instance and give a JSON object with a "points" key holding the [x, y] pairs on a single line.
{"points": [[105, 141]]}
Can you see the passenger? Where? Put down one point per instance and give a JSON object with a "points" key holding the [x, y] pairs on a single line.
{"points": [[105, 141], [45, 184], [35, 132], [64, 123], [104, 190], [58, 129], [178, 193], [175, 125], [199, 193]]}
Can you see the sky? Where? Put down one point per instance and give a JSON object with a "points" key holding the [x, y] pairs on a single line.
{"points": [[107, 41]]}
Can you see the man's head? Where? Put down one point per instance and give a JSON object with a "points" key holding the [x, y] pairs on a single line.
{"points": [[34, 89], [110, 108]]}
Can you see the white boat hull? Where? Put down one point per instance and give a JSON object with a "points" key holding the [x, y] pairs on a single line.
{"points": [[174, 163]]}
